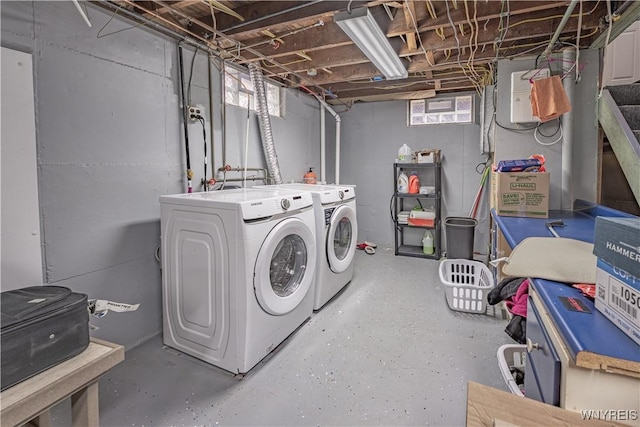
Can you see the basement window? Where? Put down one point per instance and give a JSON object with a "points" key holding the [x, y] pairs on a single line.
{"points": [[239, 92], [437, 111]]}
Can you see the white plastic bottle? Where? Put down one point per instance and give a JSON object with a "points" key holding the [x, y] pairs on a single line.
{"points": [[404, 154], [403, 183], [427, 243]]}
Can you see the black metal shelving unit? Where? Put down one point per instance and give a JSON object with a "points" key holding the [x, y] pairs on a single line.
{"points": [[429, 175]]}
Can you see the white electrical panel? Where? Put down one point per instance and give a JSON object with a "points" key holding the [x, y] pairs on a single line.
{"points": [[521, 111]]}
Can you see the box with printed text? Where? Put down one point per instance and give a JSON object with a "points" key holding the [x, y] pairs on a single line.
{"points": [[521, 194], [618, 298], [617, 241]]}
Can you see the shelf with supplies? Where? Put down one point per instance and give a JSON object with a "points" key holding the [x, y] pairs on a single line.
{"points": [[416, 216], [418, 196]]}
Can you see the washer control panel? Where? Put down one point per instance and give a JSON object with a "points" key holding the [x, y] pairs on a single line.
{"points": [[285, 201]]}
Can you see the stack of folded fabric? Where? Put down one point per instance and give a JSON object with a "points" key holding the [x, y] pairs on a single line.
{"points": [[403, 217]]}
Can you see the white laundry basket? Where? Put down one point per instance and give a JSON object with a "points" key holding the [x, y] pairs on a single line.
{"points": [[512, 356], [467, 284]]}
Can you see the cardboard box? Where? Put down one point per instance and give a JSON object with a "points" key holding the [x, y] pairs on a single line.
{"points": [[617, 241], [521, 194], [427, 156], [618, 298]]}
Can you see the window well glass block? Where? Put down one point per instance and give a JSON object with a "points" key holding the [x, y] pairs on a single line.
{"points": [[448, 118], [463, 117], [418, 119], [432, 118], [464, 103], [416, 107]]}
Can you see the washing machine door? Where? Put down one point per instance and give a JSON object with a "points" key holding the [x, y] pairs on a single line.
{"points": [[285, 267], [341, 238]]}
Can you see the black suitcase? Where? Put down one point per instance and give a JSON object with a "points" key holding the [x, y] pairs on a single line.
{"points": [[41, 326]]}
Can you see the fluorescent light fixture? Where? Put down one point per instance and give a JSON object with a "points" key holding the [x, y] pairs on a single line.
{"points": [[367, 35]]}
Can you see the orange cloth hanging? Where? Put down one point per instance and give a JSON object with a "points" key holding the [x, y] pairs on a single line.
{"points": [[549, 99]]}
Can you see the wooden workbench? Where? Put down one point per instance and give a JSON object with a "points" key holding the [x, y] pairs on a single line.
{"points": [[489, 407], [76, 378], [592, 340]]}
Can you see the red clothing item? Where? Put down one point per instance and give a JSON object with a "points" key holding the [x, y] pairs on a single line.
{"points": [[517, 304]]}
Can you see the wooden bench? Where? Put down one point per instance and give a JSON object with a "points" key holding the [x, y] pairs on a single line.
{"points": [[31, 400]]}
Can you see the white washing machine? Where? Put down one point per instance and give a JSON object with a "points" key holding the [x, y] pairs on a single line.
{"points": [[337, 231], [238, 271]]}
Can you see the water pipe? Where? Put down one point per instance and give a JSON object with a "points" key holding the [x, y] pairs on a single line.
{"points": [[183, 106], [566, 202], [211, 115], [322, 145], [337, 118], [563, 22]]}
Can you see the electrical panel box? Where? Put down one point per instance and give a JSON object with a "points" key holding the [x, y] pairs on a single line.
{"points": [[521, 111]]}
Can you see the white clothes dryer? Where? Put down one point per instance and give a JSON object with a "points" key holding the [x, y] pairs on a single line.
{"points": [[337, 231], [238, 272]]}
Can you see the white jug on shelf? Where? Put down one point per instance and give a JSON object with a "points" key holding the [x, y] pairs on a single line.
{"points": [[404, 154], [403, 183], [427, 243]]}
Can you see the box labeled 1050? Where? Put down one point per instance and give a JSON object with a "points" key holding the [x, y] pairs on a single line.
{"points": [[618, 298]]}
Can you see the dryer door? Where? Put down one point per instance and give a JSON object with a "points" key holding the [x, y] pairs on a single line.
{"points": [[285, 267], [341, 237]]}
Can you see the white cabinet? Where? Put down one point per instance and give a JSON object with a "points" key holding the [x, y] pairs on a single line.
{"points": [[21, 259], [622, 58]]}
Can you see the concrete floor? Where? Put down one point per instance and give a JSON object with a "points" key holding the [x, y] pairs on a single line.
{"points": [[386, 351]]}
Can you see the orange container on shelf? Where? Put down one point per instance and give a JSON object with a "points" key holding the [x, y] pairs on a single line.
{"points": [[310, 177], [414, 183]]}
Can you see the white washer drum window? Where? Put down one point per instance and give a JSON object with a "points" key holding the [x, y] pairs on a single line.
{"points": [[288, 265], [342, 238], [340, 245], [285, 267]]}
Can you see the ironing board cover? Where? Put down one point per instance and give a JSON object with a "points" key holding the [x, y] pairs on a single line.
{"points": [[553, 258]]}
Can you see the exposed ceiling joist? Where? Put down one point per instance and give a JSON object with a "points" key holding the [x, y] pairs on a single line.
{"points": [[488, 10], [446, 46]]}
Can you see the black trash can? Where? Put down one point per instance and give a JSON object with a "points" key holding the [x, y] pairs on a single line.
{"points": [[460, 232]]}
